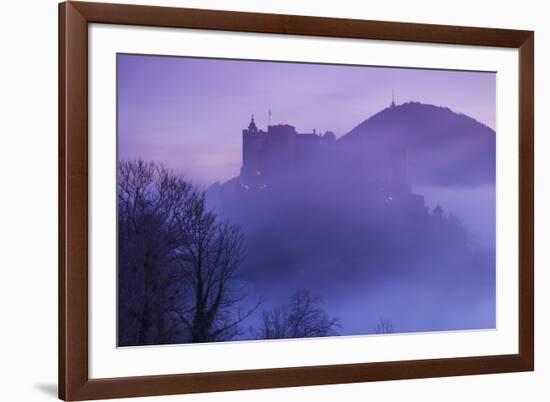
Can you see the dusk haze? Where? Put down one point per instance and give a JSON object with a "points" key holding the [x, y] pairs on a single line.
{"points": [[272, 200]]}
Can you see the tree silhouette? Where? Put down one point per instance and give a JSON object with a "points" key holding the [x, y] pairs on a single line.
{"points": [[177, 262], [301, 317], [383, 326], [210, 255], [149, 197]]}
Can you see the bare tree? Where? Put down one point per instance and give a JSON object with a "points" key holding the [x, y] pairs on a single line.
{"points": [[178, 262], [302, 317], [210, 254], [149, 197], [383, 326]]}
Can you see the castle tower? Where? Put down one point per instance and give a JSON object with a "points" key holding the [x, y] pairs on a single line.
{"points": [[254, 150], [252, 126]]}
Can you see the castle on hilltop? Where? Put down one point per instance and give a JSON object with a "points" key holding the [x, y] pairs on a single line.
{"points": [[281, 156], [279, 149], [283, 161]]}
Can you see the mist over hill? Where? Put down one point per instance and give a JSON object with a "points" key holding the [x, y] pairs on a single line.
{"points": [[443, 147], [345, 218], [388, 227]]}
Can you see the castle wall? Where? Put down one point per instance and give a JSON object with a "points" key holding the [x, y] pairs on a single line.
{"points": [[277, 151], [281, 151]]}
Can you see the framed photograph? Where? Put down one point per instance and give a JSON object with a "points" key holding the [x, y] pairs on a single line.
{"points": [[258, 200]]}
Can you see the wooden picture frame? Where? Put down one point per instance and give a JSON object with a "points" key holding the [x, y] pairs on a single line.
{"points": [[74, 381]]}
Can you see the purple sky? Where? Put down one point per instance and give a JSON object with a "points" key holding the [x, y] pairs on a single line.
{"points": [[188, 113]]}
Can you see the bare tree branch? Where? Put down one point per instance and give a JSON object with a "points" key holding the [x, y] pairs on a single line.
{"points": [[302, 317]]}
